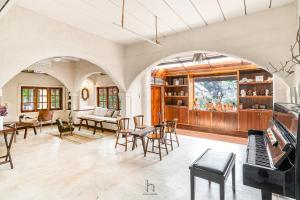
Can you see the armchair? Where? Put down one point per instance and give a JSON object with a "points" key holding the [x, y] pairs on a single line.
{"points": [[64, 128]]}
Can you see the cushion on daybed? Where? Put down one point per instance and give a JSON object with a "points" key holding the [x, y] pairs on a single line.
{"points": [[98, 111], [106, 119], [109, 113], [116, 114]]}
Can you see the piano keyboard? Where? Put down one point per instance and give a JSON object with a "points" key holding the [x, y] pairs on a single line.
{"points": [[257, 151]]}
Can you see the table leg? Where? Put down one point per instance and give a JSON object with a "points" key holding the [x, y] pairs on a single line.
{"points": [[25, 133], [87, 124], [101, 125], [144, 147], [8, 147], [95, 128], [34, 129], [80, 124]]}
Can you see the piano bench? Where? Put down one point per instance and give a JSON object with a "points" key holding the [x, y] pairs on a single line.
{"points": [[215, 167]]}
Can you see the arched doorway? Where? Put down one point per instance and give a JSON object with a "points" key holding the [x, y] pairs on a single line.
{"points": [[183, 64]]}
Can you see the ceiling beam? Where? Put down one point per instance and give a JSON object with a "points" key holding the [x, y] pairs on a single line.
{"points": [[4, 5], [245, 7], [152, 13], [220, 7], [198, 12], [179, 17]]}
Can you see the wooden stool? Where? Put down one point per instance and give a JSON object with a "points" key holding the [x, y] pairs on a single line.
{"points": [[213, 166]]}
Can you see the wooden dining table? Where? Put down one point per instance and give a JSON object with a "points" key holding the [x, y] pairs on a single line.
{"points": [[141, 134], [6, 131]]}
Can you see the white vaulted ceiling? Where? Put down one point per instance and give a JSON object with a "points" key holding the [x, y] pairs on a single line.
{"points": [[98, 16]]}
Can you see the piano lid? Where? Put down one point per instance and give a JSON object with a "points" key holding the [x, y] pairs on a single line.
{"points": [[287, 115]]}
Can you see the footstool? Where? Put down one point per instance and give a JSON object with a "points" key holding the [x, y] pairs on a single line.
{"points": [[213, 166]]}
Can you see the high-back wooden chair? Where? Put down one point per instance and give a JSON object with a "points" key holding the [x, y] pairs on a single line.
{"points": [[159, 136], [45, 116], [123, 131], [170, 131], [139, 122]]}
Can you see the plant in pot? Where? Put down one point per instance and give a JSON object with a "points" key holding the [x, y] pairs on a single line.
{"points": [[3, 113]]}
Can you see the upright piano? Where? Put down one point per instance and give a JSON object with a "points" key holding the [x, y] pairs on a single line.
{"points": [[273, 156]]}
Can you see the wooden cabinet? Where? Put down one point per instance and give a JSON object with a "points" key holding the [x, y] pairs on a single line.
{"points": [[181, 113], [224, 120], [200, 118], [254, 119]]}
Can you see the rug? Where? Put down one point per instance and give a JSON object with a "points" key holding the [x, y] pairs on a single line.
{"points": [[82, 137]]}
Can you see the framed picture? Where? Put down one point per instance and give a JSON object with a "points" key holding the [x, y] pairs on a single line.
{"points": [[259, 78]]}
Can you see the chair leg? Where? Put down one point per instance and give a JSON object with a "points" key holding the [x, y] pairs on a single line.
{"points": [[166, 146], [159, 149], [60, 134], [152, 145], [126, 141], [233, 178], [176, 138], [171, 141], [146, 147], [117, 139], [41, 127], [222, 191]]}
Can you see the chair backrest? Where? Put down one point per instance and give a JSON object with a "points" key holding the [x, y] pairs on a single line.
{"points": [[45, 115], [138, 120], [123, 123], [170, 126], [160, 129], [59, 124]]}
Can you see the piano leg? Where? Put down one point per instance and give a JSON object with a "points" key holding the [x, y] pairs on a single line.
{"points": [[192, 177], [266, 195]]}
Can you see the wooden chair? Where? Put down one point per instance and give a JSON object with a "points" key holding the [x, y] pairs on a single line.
{"points": [[171, 130], [44, 116], [123, 131], [159, 136], [64, 128], [139, 122]]}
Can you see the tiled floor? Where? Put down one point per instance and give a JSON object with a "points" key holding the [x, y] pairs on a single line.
{"points": [[47, 167]]}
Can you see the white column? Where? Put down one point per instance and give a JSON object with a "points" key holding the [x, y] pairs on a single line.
{"points": [[146, 97], [75, 100]]}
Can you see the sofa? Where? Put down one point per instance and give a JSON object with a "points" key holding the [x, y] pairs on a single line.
{"points": [[109, 117]]}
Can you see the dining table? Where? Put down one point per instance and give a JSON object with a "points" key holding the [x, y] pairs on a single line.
{"points": [[141, 134], [6, 131]]}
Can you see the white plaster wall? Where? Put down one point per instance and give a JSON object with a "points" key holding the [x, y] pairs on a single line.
{"points": [[31, 37], [90, 102], [12, 93]]}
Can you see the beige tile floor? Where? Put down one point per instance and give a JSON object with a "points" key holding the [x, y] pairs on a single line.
{"points": [[47, 167]]}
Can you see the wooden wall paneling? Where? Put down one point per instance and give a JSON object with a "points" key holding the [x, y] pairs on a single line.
{"points": [[243, 120], [265, 117], [183, 115], [156, 104], [192, 117], [204, 119], [253, 118]]}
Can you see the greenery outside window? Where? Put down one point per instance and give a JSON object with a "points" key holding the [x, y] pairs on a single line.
{"points": [[40, 98], [108, 97]]}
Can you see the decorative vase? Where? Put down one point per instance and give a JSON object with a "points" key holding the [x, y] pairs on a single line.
{"points": [[1, 122]]}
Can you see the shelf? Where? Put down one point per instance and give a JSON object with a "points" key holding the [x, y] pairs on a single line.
{"points": [[176, 96], [257, 97], [256, 110], [256, 83], [172, 86], [176, 106]]}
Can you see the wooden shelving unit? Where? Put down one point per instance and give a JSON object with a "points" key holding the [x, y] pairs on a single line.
{"points": [[176, 90], [257, 97]]}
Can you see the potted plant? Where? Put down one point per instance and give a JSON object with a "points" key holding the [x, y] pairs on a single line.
{"points": [[3, 113]]}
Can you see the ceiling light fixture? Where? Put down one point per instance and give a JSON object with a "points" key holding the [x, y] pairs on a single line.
{"points": [[122, 26], [200, 57]]}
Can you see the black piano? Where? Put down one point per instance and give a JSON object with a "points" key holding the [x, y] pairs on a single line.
{"points": [[273, 155]]}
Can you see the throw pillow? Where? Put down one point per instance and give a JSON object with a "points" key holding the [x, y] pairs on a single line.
{"points": [[116, 114], [109, 113]]}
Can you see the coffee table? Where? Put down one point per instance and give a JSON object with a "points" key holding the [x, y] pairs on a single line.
{"points": [[95, 120]]}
